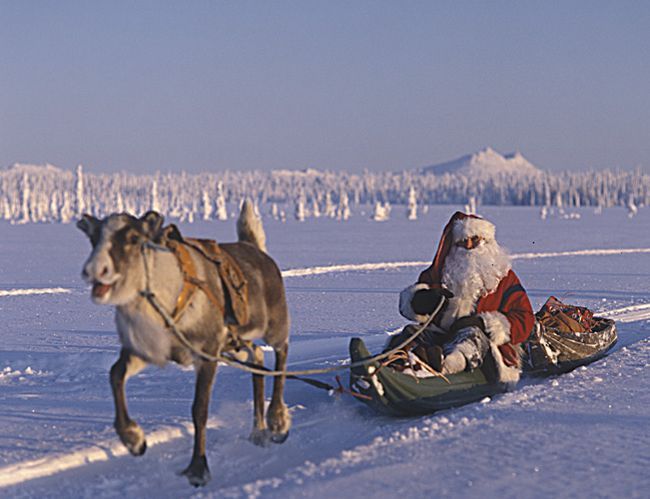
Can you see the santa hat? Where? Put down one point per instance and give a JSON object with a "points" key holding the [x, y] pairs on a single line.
{"points": [[460, 226]]}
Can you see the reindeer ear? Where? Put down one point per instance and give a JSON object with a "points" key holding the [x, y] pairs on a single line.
{"points": [[152, 222], [89, 225], [172, 233]]}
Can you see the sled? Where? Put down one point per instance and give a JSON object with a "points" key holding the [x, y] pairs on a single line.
{"points": [[396, 393], [549, 351], [552, 351]]}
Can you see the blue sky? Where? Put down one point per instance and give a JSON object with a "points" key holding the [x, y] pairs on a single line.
{"points": [[208, 85]]}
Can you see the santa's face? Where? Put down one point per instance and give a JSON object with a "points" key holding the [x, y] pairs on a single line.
{"points": [[470, 242], [473, 268]]}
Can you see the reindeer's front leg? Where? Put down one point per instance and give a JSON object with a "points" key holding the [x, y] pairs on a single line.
{"points": [[129, 432], [278, 417], [197, 472]]}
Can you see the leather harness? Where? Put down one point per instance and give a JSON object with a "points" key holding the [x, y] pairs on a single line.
{"points": [[233, 304]]}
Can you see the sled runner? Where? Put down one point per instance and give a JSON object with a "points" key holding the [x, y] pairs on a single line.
{"points": [[566, 337], [396, 393]]}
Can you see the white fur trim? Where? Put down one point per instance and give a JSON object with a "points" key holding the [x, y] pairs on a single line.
{"points": [[468, 227], [497, 327], [505, 374], [405, 298]]}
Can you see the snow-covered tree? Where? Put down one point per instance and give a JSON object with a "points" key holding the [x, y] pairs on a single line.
{"points": [[26, 195], [330, 209], [300, 212], [67, 213], [275, 213], [343, 210], [470, 207], [632, 208], [81, 203], [207, 205], [412, 205], [382, 212], [155, 204], [222, 212], [315, 210], [27, 191]]}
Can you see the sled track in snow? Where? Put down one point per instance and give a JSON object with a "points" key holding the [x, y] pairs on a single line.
{"points": [[35, 291], [632, 313], [14, 474], [355, 267]]}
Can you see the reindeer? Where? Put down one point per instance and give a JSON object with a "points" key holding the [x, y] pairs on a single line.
{"points": [[132, 256]]}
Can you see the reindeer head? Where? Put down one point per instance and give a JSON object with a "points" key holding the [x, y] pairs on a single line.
{"points": [[115, 267]]}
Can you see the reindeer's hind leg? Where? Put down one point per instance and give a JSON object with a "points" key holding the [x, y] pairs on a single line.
{"points": [[129, 432], [197, 472], [259, 435], [278, 417]]}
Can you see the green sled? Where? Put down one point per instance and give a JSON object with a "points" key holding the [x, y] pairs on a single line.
{"points": [[394, 393]]}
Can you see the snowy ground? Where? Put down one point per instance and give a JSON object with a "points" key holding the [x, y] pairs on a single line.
{"points": [[586, 433]]}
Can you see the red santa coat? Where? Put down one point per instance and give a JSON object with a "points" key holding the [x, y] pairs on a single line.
{"points": [[511, 300], [506, 311]]}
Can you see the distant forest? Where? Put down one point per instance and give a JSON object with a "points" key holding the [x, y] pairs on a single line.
{"points": [[43, 194]]}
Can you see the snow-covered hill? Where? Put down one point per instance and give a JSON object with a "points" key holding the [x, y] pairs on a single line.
{"points": [[487, 162], [32, 169]]}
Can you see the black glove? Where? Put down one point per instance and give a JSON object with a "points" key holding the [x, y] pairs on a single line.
{"points": [[425, 301], [467, 321]]}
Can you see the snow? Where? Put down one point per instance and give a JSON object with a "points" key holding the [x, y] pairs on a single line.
{"points": [[25, 292], [577, 435]]}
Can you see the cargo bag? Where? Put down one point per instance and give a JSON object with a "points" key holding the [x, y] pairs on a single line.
{"points": [[565, 337]]}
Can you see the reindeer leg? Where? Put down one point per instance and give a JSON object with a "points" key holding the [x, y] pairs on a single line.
{"points": [[259, 435], [278, 417], [128, 430], [197, 472]]}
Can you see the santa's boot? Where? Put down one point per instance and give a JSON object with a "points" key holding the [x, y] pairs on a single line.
{"points": [[454, 363], [435, 357]]}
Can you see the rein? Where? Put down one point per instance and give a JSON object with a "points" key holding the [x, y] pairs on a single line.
{"points": [[170, 323]]}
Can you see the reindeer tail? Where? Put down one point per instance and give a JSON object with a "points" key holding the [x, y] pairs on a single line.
{"points": [[249, 226]]}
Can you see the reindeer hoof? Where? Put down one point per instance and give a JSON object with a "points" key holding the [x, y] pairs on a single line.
{"points": [[279, 438], [197, 473], [279, 422], [259, 438], [139, 450], [133, 438]]}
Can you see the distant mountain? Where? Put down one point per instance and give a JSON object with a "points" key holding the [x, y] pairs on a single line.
{"points": [[34, 169], [487, 162], [307, 172]]}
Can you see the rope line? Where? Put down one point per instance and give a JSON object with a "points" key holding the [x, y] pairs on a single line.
{"points": [[254, 368]]}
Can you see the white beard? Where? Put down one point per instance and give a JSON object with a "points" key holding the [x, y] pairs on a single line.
{"points": [[471, 274]]}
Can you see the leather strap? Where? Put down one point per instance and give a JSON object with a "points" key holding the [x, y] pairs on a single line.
{"points": [[190, 281]]}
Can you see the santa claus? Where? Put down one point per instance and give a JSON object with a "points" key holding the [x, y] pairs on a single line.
{"points": [[487, 309]]}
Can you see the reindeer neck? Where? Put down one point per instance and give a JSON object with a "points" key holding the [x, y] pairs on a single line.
{"points": [[162, 277]]}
